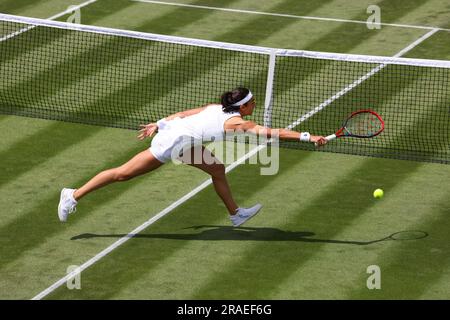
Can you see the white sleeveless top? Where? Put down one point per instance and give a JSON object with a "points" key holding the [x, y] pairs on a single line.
{"points": [[206, 125]]}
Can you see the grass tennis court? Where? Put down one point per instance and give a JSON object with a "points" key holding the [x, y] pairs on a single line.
{"points": [[320, 226]]}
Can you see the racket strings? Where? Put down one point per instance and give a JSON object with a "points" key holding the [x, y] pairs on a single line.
{"points": [[363, 124]]}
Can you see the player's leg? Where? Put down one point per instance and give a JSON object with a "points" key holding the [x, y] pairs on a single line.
{"points": [[141, 163], [211, 165], [201, 158]]}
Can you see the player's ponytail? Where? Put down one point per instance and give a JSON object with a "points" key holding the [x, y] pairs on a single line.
{"points": [[230, 98]]}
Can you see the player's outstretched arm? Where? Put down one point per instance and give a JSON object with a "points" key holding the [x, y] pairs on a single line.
{"points": [[282, 134]]}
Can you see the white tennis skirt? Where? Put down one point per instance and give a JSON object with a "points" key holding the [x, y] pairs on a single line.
{"points": [[170, 145]]}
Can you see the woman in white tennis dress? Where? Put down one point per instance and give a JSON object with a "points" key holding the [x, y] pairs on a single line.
{"points": [[174, 138]]}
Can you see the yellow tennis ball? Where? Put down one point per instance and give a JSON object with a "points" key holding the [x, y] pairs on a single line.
{"points": [[378, 194]]}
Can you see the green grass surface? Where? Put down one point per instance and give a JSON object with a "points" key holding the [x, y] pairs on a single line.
{"points": [[318, 231], [122, 82]]}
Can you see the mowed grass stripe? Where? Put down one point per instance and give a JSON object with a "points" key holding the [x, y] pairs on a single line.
{"points": [[15, 129], [66, 54], [201, 249], [121, 15], [181, 16], [41, 170], [390, 10], [331, 211], [38, 221], [47, 142], [223, 73], [39, 144], [41, 223], [272, 25], [411, 267], [212, 247], [334, 38], [19, 221], [143, 22], [41, 9], [204, 208], [24, 48], [15, 6], [399, 210], [122, 210], [435, 47], [430, 12], [100, 10], [386, 41], [439, 290], [218, 19]]}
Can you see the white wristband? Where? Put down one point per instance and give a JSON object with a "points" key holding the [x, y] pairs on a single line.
{"points": [[305, 137]]}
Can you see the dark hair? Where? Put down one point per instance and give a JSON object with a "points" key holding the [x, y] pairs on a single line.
{"points": [[231, 97]]}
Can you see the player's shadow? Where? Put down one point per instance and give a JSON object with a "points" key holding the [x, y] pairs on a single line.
{"points": [[220, 233]]}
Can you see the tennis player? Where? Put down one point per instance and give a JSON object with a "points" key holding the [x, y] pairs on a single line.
{"points": [[208, 123]]}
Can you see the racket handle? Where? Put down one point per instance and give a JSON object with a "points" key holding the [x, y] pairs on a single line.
{"points": [[328, 138]]}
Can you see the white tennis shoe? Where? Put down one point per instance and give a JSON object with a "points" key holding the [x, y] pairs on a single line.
{"points": [[244, 214], [67, 204]]}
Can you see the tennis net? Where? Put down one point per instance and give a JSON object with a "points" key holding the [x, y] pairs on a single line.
{"points": [[119, 78]]}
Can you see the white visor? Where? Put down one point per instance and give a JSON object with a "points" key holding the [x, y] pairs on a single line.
{"points": [[243, 101]]}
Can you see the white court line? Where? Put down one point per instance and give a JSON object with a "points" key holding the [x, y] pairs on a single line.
{"points": [[206, 183], [415, 43], [287, 15], [56, 16], [71, 9]]}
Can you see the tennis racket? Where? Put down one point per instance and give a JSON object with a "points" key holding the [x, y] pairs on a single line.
{"points": [[360, 124]]}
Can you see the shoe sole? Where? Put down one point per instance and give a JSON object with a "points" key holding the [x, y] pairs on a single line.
{"points": [[59, 207], [240, 224]]}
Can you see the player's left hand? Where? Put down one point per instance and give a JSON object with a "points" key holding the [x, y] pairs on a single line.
{"points": [[147, 130]]}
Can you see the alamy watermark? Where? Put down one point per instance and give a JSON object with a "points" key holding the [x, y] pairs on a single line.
{"points": [[74, 280], [374, 280], [374, 20], [75, 16]]}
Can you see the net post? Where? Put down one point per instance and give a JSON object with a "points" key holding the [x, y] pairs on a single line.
{"points": [[269, 89]]}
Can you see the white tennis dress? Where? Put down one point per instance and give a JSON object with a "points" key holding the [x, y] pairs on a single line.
{"points": [[205, 126]]}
